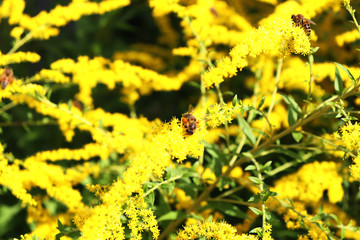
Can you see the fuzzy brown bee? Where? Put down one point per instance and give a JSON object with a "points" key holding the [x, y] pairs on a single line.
{"points": [[300, 21], [189, 121], [7, 77]]}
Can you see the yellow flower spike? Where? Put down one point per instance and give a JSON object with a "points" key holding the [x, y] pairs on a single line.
{"points": [[309, 183], [52, 76], [212, 230], [276, 37], [16, 32], [13, 9], [355, 168], [18, 57]]}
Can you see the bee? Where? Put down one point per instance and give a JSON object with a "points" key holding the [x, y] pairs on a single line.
{"points": [[300, 21], [189, 121], [7, 77], [214, 12]]}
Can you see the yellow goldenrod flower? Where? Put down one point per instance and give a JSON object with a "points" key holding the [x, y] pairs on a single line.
{"points": [[309, 183], [13, 9], [275, 37], [350, 136], [52, 76], [219, 114], [18, 57], [355, 168], [163, 7], [347, 37], [16, 32], [212, 230]]}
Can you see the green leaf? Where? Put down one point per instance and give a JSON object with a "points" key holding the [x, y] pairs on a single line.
{"points": [[69, 104], [314, 50], [228, 209], [172, 215], [297, 136], [247, 129], [261, 102], [230, 93], [248, 154], [194, 84], [342, 232], [150, 198], [267, 165], [294, 111], [346, 71], [168, 186], [60, 226], [255, 198], [256, 211], [235, 100], [257, 230], [338, 82], [255, 180], [267, 215], [250, 168]]}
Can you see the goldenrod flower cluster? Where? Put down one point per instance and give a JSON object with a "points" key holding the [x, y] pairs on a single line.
{"points": [[120, 175], [275, 37], [212, 230]]}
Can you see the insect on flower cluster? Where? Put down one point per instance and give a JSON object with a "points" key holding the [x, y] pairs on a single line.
{"points": [[300, 21], [7, 77], [189, 121]]}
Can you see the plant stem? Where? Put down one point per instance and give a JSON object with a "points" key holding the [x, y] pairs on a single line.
{"points": [[261, 187], [308, 98], [277, 80], [20, 43]]}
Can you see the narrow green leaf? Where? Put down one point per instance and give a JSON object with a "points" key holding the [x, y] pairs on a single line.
{"points": [[314, 50], [247, 129], [150, 198], [257, 230], [267, 164], [255, 180], [338, 82], [342, 232], [172, 215], [294, 104], [297, 136], [194, 84], [292, 116], [346, 71], [228, 209], [69, 104], [294, 110], [267, 215], [235, 100], [261, 102], [256, 211], [255, 198], [250, 167], [230, 93], [248, 154]]}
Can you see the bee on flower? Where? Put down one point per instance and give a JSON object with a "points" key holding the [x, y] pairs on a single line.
{"points": [[7, 77], [300, 21], [189, 121]]}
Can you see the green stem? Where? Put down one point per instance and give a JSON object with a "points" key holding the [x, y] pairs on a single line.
{"points": [[261, 187], [308, 98], [20, 43], [277, 80]]}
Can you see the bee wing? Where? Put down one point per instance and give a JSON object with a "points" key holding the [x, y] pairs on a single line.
{"points": [[190, 109], [311, 22]]}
